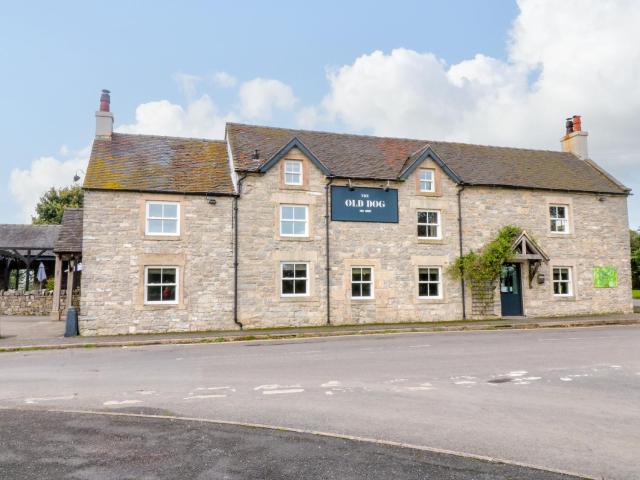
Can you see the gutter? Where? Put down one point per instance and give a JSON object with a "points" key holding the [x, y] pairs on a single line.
{"points": [[462, 284], [327, 187], [235, 252]]}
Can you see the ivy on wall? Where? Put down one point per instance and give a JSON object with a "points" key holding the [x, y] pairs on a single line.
{"points": [[481, 269]]}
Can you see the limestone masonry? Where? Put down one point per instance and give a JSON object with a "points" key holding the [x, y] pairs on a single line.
{"points": [[187, 234]]}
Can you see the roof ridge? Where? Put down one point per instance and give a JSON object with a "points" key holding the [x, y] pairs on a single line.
{"points": [[380, 137], [212, 140]]}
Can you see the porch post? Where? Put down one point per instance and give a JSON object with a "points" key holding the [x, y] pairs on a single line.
{"points": [[70, 282], [57, 287]]}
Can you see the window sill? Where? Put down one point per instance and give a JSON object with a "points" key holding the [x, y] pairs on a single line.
{"points": [[362, 300], [432, 241], [560, 235], [429, 194], [430, 300], [170, 238], [294, 187], [159, 306], [295, 239], [304, 299], [568, 298]]}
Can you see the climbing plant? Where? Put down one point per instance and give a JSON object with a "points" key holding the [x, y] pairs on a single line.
{"points": [[481, 269]]}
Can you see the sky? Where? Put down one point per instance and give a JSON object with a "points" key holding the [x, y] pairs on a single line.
{"points": [[494, 72]]}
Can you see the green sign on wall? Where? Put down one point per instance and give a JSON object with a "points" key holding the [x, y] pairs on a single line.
{"points": [[605, 277]]}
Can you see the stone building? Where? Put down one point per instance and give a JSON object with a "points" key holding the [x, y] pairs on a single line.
{"points": [[280, 227]]}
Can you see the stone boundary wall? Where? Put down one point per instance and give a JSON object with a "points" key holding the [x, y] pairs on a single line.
{"points": [[32, 303]]}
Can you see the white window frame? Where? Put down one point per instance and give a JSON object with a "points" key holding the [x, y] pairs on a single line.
{"points": [[294, 278], [305, 221], [362, 282], [426, 181], [557, 219], [287, 171], [439, 282], [162, 218], [438, 224], [147, 285], [569, 281]]}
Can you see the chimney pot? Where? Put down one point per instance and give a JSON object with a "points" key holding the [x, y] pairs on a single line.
{"points": [[569, 125], [577, 123], [105, 101]]}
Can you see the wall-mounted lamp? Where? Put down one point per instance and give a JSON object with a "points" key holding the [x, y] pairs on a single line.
{"points": [[76, 177], [211, 200], [387, 186], [351, 187]]}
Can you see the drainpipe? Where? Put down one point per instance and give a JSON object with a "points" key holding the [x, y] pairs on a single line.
{"points": [[327, 187], [464, 307], [235, 252]]}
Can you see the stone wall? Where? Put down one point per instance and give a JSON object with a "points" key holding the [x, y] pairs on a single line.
{"points": [[116, 251], [32, 303], [393, 250], [599, 236]]}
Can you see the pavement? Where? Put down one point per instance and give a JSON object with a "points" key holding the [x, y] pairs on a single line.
{"points": [[38, 444], [565, 399], [18, 333]]}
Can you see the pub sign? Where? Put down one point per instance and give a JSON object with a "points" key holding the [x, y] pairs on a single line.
{"points": [[361, 204]]}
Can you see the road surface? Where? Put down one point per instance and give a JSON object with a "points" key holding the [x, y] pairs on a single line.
{"points": [[565, 399]]}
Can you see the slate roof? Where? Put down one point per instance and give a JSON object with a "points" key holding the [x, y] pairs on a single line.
{"points": [[70, 237], [22, 237], [360, 156], [159, 164]]}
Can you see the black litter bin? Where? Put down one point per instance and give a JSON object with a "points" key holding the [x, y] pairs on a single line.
{"points": [[71, 329]]}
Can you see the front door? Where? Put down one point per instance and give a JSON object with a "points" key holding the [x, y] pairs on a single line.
{"points": [[510, 290]]}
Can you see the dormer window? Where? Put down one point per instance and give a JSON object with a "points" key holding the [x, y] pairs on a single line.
{"points": [[293, 172], [427, 183]]}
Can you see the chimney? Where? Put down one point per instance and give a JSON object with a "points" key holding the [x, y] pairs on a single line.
{"points": [[104, 117], [575, 140]]}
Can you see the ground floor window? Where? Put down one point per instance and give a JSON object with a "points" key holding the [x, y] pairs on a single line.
{"points": [[161, 285], [361, 282], [562, 281], [429, 282], [294, 279]]}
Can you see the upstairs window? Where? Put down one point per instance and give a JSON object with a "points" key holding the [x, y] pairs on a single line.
{"points": [[294, 221], [293, 172], [429, 282], [361, 282], [161, 285], [163, 218], [429, 224], [294, 279], [562, 286], [559, 218], [427, 183]]}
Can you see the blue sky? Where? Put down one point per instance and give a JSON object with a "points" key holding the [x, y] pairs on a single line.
{"points": [[304, 62]]}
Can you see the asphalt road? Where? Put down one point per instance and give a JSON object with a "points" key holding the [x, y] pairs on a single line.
{"points": [[560, 398], [38, 444]]}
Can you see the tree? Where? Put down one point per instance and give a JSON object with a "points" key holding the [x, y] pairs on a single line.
{"points": [[52, 204], [635, 258]]}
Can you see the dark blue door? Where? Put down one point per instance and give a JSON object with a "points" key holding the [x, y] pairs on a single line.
{"points": [[510, 290]]}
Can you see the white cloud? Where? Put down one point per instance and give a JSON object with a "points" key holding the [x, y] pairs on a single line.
{"points": [[223, 79], [27, 186], [200, 119], [188, 83], [260, 97], [562, 60]]}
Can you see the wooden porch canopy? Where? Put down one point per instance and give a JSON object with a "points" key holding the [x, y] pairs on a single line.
{"points": [[23, 245], [526, 248], [68, 247]]}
